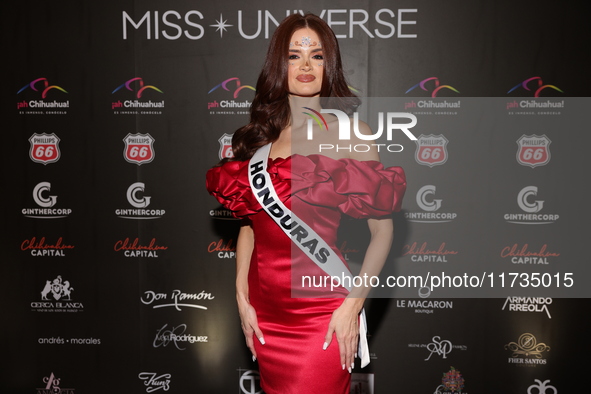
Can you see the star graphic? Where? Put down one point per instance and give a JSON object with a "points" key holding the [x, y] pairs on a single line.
{"points": [[221, 25]]}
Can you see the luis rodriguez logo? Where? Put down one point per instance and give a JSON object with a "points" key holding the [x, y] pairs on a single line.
{"points": [[42, 106], [139, 105], [317, 121]]}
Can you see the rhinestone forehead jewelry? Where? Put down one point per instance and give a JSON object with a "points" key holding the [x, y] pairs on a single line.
{"points": [[306, 42]]}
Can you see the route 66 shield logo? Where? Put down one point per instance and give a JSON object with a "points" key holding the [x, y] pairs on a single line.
{"points": [[533, 150], [225, 146], [431, 150], [139, 148], [44, 148]]}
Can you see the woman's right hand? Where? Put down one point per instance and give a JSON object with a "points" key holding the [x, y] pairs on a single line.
{"points": [[250, 326]]}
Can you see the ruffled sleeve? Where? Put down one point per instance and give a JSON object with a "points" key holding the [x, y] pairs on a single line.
{"points": [[361, 189], [229, 184]]}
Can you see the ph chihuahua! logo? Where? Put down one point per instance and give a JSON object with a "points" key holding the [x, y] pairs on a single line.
{"points": [[237, 89], [537, 88], [436, 86], [41, 85], [141, 87]]}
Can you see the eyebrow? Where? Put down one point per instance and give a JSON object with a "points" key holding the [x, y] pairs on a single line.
{"points": [[313, 50]]}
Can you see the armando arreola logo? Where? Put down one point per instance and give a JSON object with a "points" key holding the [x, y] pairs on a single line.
{"points": [[137, 199], [528, 204], [43, 198], [44, 148], [528, 304], [130, 107], [56, 296], [344, 123], [430, 206]]}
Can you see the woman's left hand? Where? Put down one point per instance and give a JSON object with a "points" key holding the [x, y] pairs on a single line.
{"points": [[345, 324]]}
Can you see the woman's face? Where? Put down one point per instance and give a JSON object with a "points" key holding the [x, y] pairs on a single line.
{"points": [[305, 64]]}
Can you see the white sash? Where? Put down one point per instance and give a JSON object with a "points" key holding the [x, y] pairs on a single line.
{"points": [[307, 239]]}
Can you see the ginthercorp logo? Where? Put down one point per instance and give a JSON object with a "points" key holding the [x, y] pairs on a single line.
{"points": [[153, 381], [431, 150], [344, 129], [142, 103], [533, 150], [52, 385], [430, 205], [139, 148], [249, 382], [191, 25], [56, 296], [229, 103], [527, 351], [528, 304], [44, 148], [42, 105], [140, 202], [452, 382], [533, 85], [225, 151], [528, 202], [43, 197]]}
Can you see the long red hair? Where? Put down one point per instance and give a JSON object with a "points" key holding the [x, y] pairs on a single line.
{"points": [[270, 111]]}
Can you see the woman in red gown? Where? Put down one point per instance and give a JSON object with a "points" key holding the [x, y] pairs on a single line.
{"points": [[304, 339]]}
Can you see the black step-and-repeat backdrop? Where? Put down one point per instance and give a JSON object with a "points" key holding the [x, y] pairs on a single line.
{"points": [[117, 267]]}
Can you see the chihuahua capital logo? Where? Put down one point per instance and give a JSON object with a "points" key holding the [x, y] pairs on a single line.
{"points": [[434, 86], [534, 87], [141, 87], [41, 85]]}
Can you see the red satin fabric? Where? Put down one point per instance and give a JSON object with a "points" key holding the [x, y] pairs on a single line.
{"points": [[318, 190]]}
